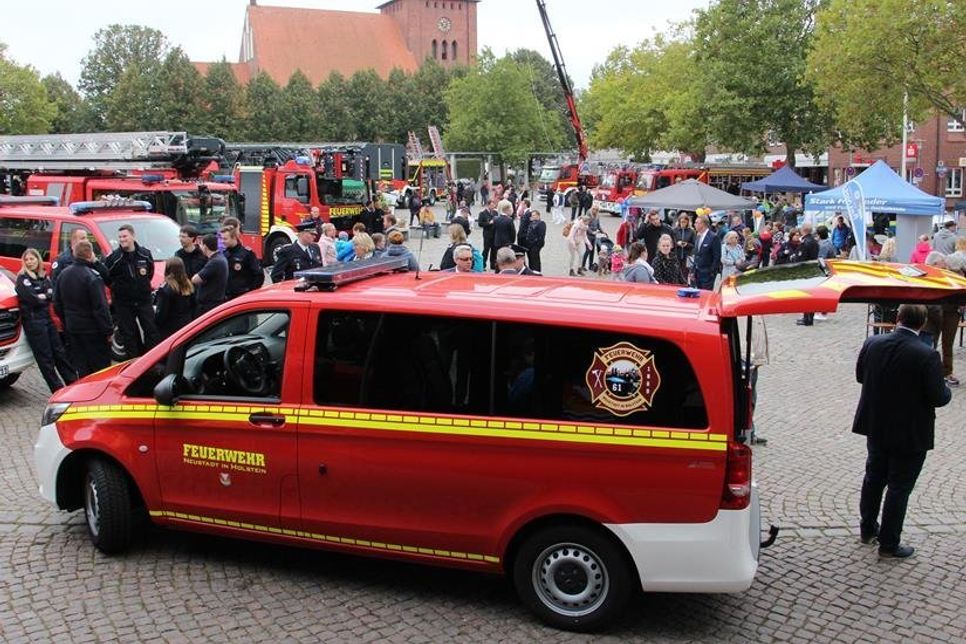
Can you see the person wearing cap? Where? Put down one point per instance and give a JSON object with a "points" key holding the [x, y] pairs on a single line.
{"points": [[511, 260], [299, 256]]}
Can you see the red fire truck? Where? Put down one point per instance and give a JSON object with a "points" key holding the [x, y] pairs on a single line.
{"points": [[616, 186], [657, 177], [428, 173], [164, 169]]}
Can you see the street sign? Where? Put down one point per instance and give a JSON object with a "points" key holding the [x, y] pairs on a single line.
{"points": [[850, 171], [912, 150], [941, 169], [918, 173]]}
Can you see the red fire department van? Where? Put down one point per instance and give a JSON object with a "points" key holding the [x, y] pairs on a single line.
{"points": [[15, 354], [435, 419]]}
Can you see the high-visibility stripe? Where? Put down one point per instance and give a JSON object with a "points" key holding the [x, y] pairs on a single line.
{"points": [[631, 436], [325, 538]]}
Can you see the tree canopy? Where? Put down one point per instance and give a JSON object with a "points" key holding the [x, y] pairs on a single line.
{"points": [[24, 105], [869, 53]]}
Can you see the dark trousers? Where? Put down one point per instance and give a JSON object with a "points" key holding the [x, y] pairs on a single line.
{"points": [[809, 318], [897, 471], [533, 258], [90, 352], [587, 260], [489, 253], [127, 316], [573, 213], [49, 353]]}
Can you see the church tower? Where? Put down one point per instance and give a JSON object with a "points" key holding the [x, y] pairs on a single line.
{"points": [[444, 30]]}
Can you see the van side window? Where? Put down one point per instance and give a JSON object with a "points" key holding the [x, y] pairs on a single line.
{"points": [[558, 373], [297, 187], [17, 235], [403, 362]]}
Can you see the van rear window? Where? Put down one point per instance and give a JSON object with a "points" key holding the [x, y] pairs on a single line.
{"points": [[18, 234]]}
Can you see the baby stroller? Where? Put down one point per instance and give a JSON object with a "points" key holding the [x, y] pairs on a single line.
{"points": [[605, 247]]}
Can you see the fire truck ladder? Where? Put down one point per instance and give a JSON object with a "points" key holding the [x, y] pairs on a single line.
{"points": [[107, 150], [414, 149], [437, 142]]}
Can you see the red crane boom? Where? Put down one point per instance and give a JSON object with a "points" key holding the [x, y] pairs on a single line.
{"points": [[568, 90]]}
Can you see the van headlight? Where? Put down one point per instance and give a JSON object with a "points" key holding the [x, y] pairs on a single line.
{"points": [[52, 412]]}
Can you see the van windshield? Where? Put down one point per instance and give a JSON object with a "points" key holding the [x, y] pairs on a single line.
{"points": [[158, 235]]}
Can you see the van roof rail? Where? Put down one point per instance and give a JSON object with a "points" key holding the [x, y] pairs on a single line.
{"points": [[7, 200], [87, 207], [329, 278]]}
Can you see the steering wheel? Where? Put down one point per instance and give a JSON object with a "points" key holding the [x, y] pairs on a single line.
{"points": [[245, 369]]}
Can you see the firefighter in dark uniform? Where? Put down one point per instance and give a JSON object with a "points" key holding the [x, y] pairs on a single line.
{"points": [[35, 292], [302, 255], [131, 268], [80, 302], [66, 258], [244, 270]]}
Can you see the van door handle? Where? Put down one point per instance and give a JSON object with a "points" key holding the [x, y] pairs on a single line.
{"points": [[271, 420]]}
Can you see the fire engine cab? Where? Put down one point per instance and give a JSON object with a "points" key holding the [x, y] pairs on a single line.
{"points": [[164, 169], [359, 410], [616, 186]]}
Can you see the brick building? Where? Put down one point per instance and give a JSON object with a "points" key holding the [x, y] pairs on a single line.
{"points": [[279, 40], [938, 141]]}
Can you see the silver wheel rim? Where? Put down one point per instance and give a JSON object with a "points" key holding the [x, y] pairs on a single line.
{"points": [[92, 507], [570, 580]]}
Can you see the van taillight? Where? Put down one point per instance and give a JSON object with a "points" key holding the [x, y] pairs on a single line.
{"points": [[737, 486]]}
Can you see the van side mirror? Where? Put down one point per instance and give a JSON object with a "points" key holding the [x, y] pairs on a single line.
{"points": [[169, 389]]}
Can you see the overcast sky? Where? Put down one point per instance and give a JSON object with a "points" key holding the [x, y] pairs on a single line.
{"points": [[54, 35]]}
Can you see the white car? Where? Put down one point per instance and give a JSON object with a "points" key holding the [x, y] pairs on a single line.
{"points": [[15, 354]]}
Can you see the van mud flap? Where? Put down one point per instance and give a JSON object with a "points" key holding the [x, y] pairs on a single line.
{"points": [[772, 535]]}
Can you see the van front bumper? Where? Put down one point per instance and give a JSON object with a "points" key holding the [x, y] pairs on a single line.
{"points": [[720, 556], [49, 453], [16, 357]]}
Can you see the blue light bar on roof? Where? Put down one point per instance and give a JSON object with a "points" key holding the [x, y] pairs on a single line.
{"points": [[32, 200], [87, 207], [331, 277], [223, 178]]}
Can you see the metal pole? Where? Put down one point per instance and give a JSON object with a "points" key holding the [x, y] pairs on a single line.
{"points": [[905, 133]]}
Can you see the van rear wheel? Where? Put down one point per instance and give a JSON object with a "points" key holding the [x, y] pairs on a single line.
{"points": [[107, 507], [572, 577]]}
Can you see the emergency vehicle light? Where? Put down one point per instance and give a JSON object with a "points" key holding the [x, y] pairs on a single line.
{"points": [[223, 178], [301, 160], [328, 278], [87, 207], [152, 178], [7, 200]]}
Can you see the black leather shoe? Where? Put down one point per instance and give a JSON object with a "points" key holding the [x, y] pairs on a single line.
{"points": [[868, 538], [899, 552], [803, 323]]}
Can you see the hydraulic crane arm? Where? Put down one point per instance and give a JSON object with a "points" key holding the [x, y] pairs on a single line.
{"points": [[568, 90]]}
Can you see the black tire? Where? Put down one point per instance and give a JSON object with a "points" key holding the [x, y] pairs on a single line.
{"points": [[8, 380], [107, 507], [573, 577]]}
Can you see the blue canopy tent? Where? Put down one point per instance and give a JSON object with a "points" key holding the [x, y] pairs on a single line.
{"points": [[880, 189], [785, 179]]}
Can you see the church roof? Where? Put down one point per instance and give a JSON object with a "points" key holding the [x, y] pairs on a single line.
{"points": [[241, 70], [320, 41]]}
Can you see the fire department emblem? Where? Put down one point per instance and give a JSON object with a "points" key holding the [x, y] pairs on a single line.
{"points": [[224, 478], [623, 379]]}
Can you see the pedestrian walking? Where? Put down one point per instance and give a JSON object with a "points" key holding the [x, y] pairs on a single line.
{"points": [[210, 282], [80, 302], [244, 270], [131, 268], [808, 251], [175, 301], [902, 384], [577, 244], [35, 293]]}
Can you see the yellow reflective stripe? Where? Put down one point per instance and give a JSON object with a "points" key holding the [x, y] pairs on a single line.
{"points": [[423, 424], [312, 536]]}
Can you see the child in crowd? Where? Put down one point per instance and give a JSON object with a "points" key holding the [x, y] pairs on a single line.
{"points": [[617, 260]]}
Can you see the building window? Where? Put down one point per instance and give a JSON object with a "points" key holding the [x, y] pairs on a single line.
{"points": [[956, 125], [954, 182], [435, 56], [454, 50], [444, 50]]}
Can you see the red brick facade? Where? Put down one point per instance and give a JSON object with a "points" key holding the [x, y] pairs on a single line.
{"points": [[444, 30], [937, 139]]}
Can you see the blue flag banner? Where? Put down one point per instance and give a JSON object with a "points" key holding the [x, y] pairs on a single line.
{"points": [[854, 199]]}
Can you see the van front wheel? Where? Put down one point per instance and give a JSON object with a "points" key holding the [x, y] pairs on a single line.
{"points": [[573, 578], [107, 506]]}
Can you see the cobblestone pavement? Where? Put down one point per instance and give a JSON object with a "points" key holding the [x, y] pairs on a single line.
{"points": [[816, 584]]}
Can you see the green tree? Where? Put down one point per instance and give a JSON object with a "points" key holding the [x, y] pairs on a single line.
{"points": [[68, 104], [180, 94], [336, 118], [751, 55], [300, 109], [368, 106], [24, 106], [264, 99], [493, 108], [868, 53], [544, 83], [135, 102], [428, 88], [118, 48], [407, 106], [225, 103]]}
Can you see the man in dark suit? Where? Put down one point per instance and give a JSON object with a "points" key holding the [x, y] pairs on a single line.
{"points": [[485, 221], [504, 232], [902, 384], [707, 254], [302, 255]]}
